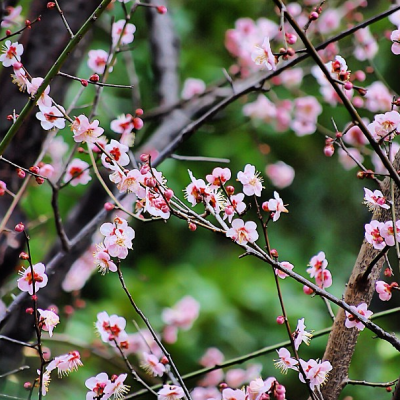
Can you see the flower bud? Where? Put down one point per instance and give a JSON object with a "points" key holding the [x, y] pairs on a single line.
{"points": [[164, 360], [387, 272], [192, 226], [145, 169], [138, 112], [264, 206], [280, 320], [21, 173], [168, 194], [23, 256], [137, 123], [17, 66], [8, 32], [329, 150], [34, 297], [307, 290], [19, 227], [84, 82], [161, 9], [339, 135], [39, 180], [144, 157], [94, 78], [28, 385], [274, 253], [150, 182], [29, 310], [290, 38], [223, 385], [313, 16], [108, 206], [51, 4], [348, 85], [34, 169], [230, 190]]}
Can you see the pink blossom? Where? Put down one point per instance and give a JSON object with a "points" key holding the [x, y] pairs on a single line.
{"points": [[375, 199], [127, 35], [323, 278], [252, 183], [197, 191], [275, 206], [183, 313], [45, 381], [395, 38], [280, 173], [65, 363], [156, 205], [307, 110], [123, 124], [19, 78], [316, 372], [84, 131], [103, 260], [97, 385], [33, 86], [51, 117], [329, 21], [338, 68], [262, 109], [262, 55], [282, 274], [77, 172], [231, 394], [366, 46], [291, 78], [116, 386], [48, 320], [119, 153], [97, 61], [353, 321], [111, 328], [243, 233], [301, 335], [378, 97], [11, 53], [256, 389], [347, 158], [354, 135], [385, 290], [373, 234], [233, 205], [118, 237], [170, 392], [387, 232], [218, 176], [13, 16], [384, 126], [46, 170], [286, 361], [39, 277], [212, 357], [132, 182], [151, 364], [206, 393], [3, 188], [316, 263], [192, 87]]}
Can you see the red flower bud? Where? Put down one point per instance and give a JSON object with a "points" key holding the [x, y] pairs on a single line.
{"points": [[39, 180], [84, 82], [313, 16], [192, 226], [23, 256], [230, 190], [51, 4], [274, 253], [161, 9], [164, 360], [307, 290], [168, 194], [34, 169], [138, 112], [108, 206], [280, 320], [29, 310], [21, 173], [19, 227], [144, 158], [8, 32], [94, 78], [137, 123], [348, 85]]}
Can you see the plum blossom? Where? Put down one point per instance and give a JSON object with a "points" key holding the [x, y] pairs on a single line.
{"points": [[282, 274], [96, 385], [127, 35], [85, 131], [123, 124], [133, 182], [378, 97], [275, 206], [317, 263], [45, 382], [243, 233], [19, 78], [46, 170], [375, 199], [65, 363], [251, 181], [262, 108], [234, 205], [206, 393], [301, 335], [170, 392], [118, 237], [116, 386], [263, 56], [13, 16], [316, 372], [353, 321], [152, 365], [280, 173], [385, 290], [373, 234], [97, 61], [111, 328], [385, 126], [286, 361], [192, 87], [182, 314], [103, 260], [323, 278], [212, 357], [77, 172], [256, 388], [11, 53], [218, 176], [338, 68], [197, 191], [366, 46], [25, 283], [33, 86], [307, 110], [156, 205], [48, 320], [119, 153], [348, 158], [387, 232], [395, 38], [51, 117], [231, 394]]}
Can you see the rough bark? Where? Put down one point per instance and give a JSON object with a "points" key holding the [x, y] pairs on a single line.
{"points": [[342, 341]]}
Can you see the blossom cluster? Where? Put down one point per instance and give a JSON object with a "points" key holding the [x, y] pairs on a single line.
{"points": [[318, 270], [381, 234]]}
